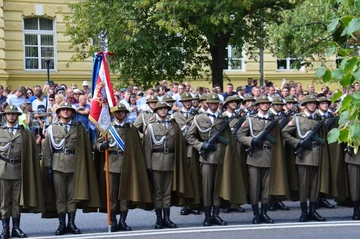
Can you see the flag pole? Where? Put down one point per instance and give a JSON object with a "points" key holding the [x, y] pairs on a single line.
{"points": [[107, 185], [103, 45]]}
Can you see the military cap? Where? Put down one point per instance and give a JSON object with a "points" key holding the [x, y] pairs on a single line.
{"points": [[203, 97], [11, 109], [262, 99], [323, 98], [152, 99], [308, 98], [119, 107], [212, 98], [168, 98], [65, 105], [248, 98], [162, 104], [186, 96], [232, 98], [291, 99], [196, 96], [277, 100]]}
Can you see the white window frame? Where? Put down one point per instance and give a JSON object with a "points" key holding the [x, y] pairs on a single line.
{"points": [[288, 65], [39, 33], [242, 60]]}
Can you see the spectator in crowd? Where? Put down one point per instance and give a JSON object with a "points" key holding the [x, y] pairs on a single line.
{"points": [[59, 98], [82, 112], [249, 86], [125, 99], [77, 93], [356, 86], [41, 107], [70, 96], [60, 90], [86, 87], [299, 89], [141, 103], [173, 89], [2, 96], [255, 83], [229, 91], [311, 89], [74, 86], [29, 94], [271, 91], [305, 93], [262, 90], [6, 92], [255, 91], [284, 92], [181, 89], [33, 97], [292, 91], [162, 92], [187, 86], [133, 109], [218, 89], [17, 98], [25, 117]]}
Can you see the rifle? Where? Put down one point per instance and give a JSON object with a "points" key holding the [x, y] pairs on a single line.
{"points": [[240, 121], [286, 118], [217, 137], [331, 121], [312, 136], [265, 135]]}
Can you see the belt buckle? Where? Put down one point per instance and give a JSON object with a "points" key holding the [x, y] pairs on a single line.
{"points": [[166, 150], [120, 153], [66, 151]]}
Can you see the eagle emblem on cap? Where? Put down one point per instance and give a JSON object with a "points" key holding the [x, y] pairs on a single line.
{"points": [[12, 107], [214, 97]]}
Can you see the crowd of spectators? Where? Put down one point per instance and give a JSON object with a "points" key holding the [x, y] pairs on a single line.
{"points": [[38, 104]]}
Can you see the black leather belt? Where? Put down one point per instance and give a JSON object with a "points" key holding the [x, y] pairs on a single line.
{"points": [[164, 150], [64, 151], [118, 152], [10, 161]]}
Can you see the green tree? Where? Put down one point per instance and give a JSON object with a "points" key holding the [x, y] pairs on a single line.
{"points": [[172, 39]]}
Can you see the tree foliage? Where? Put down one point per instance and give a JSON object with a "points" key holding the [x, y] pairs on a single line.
{"points": [[172, 39]]}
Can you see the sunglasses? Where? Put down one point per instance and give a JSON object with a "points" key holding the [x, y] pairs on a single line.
{"points": [[51, 99], [29, 92]]}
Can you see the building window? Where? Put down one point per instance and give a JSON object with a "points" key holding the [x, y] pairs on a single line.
{"points": [[286, 64], [39, 34], [234, 59]]}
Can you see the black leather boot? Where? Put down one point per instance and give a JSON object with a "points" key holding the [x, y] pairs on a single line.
{"points": [[207, 221], [159, 219], [313, 213], [272, 204], [113, 221], [256, 218], [304, 212], [167, 222], [71, 224], [62, 225], [264, 217], [184, 211], [356, 215], [280, 205], [5, 234], [196, 211], [325, 203], [16, 231], [239, 209], [216, 218], [122, 222], [227, 210]]}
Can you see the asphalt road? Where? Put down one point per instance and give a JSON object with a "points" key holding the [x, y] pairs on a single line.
{"points": [[94, 225]]}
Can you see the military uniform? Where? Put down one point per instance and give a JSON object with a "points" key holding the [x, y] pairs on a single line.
{"points": [[259, 162], [145, 116], [203, 127], [59, 160], [353, 166], [116, 159], [184, 118], [10, 176], [159, 146], [308, 163]]}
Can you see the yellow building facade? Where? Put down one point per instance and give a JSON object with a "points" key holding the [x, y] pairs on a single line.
{"points": [[29, 28]]}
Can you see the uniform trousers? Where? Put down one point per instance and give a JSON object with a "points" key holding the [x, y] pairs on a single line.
{"points": [[64, 190], [10, 197], [354, 181], [114, 193], [308, 183], [208, 173], [259, 179], [162, 188]]}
